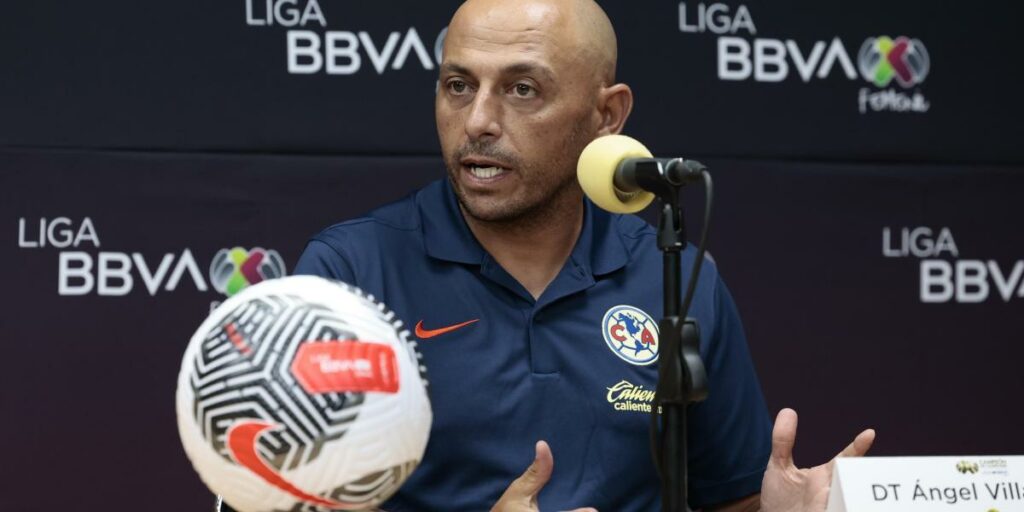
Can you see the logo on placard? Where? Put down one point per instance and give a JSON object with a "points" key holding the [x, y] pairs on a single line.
{"points": [[232, 270], [993, 467], [967, 467], [631, 334]]}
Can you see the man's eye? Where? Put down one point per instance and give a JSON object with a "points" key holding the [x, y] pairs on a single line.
{"points": [[524, 91], [457, 86]]}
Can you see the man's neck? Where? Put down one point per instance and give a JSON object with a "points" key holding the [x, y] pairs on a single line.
{"points": [[534, 249]]}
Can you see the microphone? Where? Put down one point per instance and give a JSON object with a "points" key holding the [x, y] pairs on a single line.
{"points": [[619, 174]]}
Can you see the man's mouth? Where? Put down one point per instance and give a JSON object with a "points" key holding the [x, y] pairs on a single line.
{"points": [[485, 173], [484, 169]]}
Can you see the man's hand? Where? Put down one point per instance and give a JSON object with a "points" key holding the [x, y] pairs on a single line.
{"points": [[785, 487], [521, 496]]}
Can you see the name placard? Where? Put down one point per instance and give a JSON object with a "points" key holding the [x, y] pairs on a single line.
{"points": [[933, 484]]}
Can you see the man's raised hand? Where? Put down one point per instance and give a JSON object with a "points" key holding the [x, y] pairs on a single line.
{"points": [[787, 488]]}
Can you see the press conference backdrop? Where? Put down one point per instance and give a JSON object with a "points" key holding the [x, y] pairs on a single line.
{"points": [[867, 159]]}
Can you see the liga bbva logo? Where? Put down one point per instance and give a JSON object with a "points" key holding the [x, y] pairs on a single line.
{"points": [[311, 49], [83, 269], [882, 60], [944, 276]]}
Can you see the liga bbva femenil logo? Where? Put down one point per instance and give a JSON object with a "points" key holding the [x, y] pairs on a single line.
{"points": [[743, 53], [303, 394], [86, 268]]}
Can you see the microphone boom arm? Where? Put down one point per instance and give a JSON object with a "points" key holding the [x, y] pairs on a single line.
{"points": [[661, 176]]}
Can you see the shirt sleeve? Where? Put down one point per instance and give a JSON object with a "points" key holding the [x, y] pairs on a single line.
{"points": [[325, 260], [730, 432]]}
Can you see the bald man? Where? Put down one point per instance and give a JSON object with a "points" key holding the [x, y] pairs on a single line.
{"points": [[517, 286]]}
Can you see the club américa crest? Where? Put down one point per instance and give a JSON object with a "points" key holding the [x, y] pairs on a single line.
{"points": [[631, 334]]}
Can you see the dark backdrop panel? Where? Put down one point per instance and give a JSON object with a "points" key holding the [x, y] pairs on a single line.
{"points": [[87, 382], [837, 329], [214, 76]]}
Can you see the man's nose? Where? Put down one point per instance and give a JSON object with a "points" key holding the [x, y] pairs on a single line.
{"points": [[484, 119]]}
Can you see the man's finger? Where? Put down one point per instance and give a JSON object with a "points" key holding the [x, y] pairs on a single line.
{"points": [[860, 445], [529, 484], [784, 437]]}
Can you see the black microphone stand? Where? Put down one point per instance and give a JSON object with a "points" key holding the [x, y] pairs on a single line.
{"points": [[681, 375]]}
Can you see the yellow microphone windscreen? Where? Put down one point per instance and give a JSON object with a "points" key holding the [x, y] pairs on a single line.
{"points": [[596, 173]]}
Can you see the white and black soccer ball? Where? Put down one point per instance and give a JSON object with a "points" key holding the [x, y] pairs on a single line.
{"points": [[303, 394]]}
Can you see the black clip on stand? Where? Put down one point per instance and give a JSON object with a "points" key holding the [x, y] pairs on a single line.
{"points": [[681, 376]]}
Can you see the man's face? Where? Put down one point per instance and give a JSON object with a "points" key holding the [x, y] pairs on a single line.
{"points": [[514, 110]]}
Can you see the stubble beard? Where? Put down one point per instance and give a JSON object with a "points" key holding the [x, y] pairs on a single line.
{"points": [[525, 214]]}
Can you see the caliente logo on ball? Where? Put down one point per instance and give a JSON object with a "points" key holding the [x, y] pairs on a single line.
{"points": [[301, 393]]}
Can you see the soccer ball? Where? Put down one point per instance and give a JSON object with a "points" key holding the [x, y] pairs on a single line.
{"points": [[303, 394]]}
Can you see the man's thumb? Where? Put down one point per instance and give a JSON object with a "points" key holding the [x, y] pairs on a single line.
{"points": [[537, 475], [784, 437]]}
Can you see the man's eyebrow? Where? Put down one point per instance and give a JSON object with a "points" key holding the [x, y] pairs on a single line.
{"points": [[518, 68], [455, 69], [528, 68]]}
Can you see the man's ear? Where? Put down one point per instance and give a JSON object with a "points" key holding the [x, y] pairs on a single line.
{"points": [[614, 105]]}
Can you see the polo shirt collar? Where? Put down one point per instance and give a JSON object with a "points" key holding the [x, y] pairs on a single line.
{"points": [[446, 236], [599, 250]]}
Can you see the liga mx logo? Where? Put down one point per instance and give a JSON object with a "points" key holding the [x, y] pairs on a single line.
{"points": [[234, 269], [882, 59], [631, 334]]}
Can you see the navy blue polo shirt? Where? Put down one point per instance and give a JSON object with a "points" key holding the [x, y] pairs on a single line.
{"points": [[576, 367]]}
